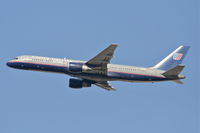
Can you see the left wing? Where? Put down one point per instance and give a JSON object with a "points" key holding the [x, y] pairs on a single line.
{"points": [[105, 85]]}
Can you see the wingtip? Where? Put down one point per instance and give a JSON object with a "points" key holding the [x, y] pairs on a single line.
{"points": [[113, 89], [186, 46], [114, 44]]}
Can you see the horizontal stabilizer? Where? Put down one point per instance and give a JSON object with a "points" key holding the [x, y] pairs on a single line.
{"points": [[174, 72], [178, 81]]}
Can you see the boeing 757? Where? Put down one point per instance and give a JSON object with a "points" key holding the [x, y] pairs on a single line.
{"points": [[99, 71]]}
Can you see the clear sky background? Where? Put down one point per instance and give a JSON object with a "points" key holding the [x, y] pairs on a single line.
{"points": [[146, 31]]}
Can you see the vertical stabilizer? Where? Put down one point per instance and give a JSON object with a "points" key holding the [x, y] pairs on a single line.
{"points": [[173, 59]]}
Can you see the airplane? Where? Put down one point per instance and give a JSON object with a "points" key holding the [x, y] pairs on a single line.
{"points": [[99, 71]]}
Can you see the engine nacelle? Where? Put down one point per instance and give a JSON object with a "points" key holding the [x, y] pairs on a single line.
{"points": [[77, 83], [78, 67]]}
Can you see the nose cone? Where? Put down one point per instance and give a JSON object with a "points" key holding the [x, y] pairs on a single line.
{"points": [[9, 63]]}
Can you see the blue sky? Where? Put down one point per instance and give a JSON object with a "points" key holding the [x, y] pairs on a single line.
{"points": [[146, 32]]}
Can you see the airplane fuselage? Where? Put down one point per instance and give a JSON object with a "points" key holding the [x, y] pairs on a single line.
{"points": [[78, 69]]}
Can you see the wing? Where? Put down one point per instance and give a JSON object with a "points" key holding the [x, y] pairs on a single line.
{"points": [[105, 85], [104, 57]]}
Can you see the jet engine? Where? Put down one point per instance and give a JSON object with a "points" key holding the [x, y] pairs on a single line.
{"points": [[78, 67], [77, 83]]}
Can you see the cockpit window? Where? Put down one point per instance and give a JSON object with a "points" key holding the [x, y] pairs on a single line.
{"points": [[15, 58]]}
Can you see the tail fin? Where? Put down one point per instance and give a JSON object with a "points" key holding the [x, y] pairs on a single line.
{"points": [[173, 59]]}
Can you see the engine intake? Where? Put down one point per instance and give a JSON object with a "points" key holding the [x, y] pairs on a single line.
{"points": [[77, 83]]}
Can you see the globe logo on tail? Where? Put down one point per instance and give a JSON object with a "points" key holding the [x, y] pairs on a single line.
{"points": [[177, 56]]}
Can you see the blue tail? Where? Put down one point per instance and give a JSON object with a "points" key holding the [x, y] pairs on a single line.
{"points": [[173, 59]]}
